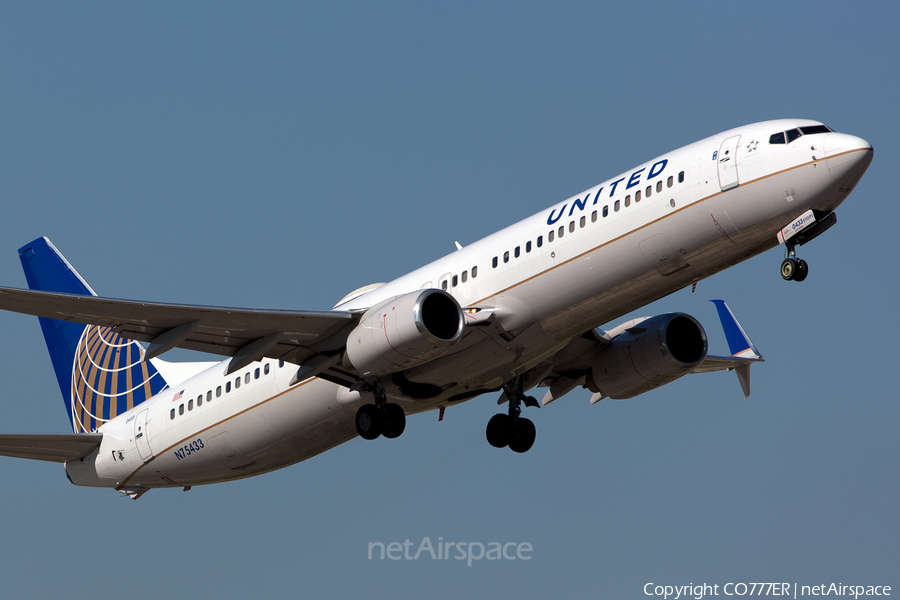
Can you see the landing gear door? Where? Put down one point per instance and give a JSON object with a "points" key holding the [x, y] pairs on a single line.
{"points": [[141, 439], [726, 159]]}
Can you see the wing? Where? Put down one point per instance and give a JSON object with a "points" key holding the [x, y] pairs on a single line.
{"points": [[570, 366], [50, 447], [245, 334]]}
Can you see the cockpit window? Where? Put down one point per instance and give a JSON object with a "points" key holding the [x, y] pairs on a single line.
{"points": [[793, 134], [812, 129]]}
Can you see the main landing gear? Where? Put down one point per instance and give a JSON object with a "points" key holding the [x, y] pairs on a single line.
{"points": [[381, 418], [511, 429], [793, 268]]}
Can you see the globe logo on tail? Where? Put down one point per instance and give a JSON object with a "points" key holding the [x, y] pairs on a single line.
{"points": [[109, 377]]}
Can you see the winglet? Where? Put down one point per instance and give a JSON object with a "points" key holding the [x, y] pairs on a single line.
{"points": [[743, 375], [738, 341]]}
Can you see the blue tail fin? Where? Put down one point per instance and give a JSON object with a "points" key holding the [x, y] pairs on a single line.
{"points": [[100, 373]]}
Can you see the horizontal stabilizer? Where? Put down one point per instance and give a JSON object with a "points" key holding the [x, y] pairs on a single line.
{"points": [[53, 447]]}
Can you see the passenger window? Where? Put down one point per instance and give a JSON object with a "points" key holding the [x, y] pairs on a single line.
{"points": [[494, 262], [191, 404], [670, 181], [777, 138], [247, 377], [506, 256], [792, 135], [540, 241], [172, 414], [181, 409], [199, 400], [256, 373], [550, 236], [517, 252], [594, 217], [465, 276], [637, 196], [219, 392], [455, 280], [648, 190], [627, 200], [444, 285], [560, 232], [528, 246], [606, 211], [658, 186], [237, 382], [280, 363], [616, 206], [571, 226], [227, 387], [582, 221], [474, 272], [209, 395], [266, 369], [681, 177]]}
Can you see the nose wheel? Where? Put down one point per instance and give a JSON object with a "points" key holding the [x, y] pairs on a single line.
{"points": [[793, 268]]}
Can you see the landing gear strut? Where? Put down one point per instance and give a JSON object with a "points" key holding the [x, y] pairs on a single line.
{"points": [[381, 418], [511, 429], [793, 268]]}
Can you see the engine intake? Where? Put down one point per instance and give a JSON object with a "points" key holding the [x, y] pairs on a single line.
{"points": [[404, 332], [648, 354]]}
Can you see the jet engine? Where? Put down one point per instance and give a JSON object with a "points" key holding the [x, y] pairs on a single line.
{"points": [[648, 354], [404, 332]]}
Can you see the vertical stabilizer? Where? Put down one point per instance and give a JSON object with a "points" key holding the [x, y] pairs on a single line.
{"points": [[100, 373]]}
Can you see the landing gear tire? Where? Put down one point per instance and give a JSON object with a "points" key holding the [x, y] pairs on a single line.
{"points": [[794, 269], [498, 430], [523, 434], [394, 421], [369, 421], [511, 429], [802, 270], [789, 269]]}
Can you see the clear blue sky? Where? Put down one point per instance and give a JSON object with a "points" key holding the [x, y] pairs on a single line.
{"points": [[282, 155]]}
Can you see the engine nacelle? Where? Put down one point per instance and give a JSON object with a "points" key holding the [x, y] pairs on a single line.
{"points": [[404, 332], [648, 354]]}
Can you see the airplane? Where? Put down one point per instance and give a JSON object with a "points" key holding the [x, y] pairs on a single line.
{"points": [[518, 310]]}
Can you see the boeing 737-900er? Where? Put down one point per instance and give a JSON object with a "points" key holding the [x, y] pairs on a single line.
{"points": [[519, 309]]}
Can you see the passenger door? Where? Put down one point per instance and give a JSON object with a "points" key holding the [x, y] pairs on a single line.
{"points": [[141, 437], [727, 163]]}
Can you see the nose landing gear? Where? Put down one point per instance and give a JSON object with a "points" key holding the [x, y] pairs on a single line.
{"points": [[802, 230], [793, 268]]}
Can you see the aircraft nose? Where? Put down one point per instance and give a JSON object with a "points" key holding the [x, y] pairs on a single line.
{"points": [[847, 157]]}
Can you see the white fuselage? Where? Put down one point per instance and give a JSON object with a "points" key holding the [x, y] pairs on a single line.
{"points": [[572, 267]]}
